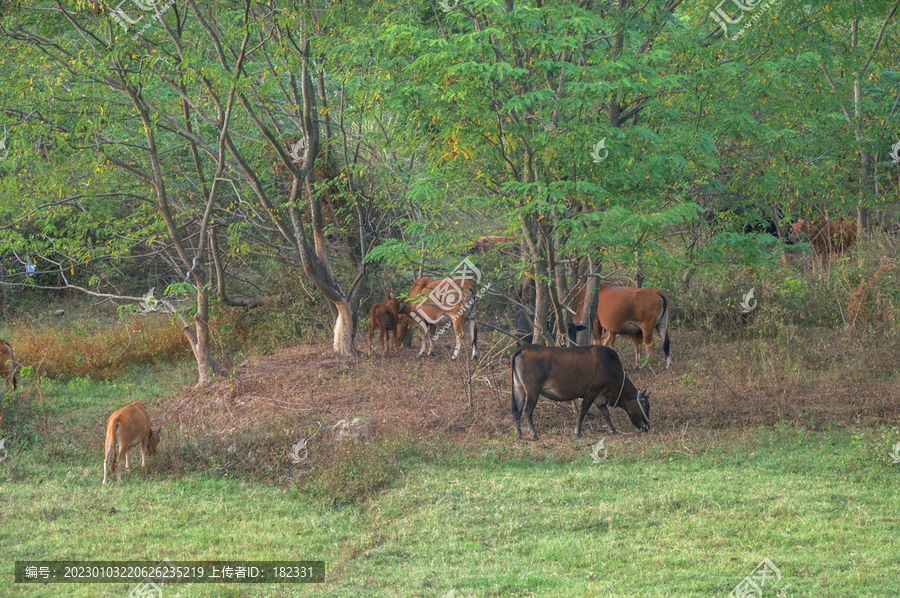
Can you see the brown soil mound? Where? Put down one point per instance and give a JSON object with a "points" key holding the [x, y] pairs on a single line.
{"points": [[276, 400]]}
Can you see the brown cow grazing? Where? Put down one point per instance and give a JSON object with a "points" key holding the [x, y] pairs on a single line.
{"points": [[8, 363], [566, 374], [634, 313], [826, 237], [443, 302], [384, 317], [128, 427], [404, 325], [485, 244]]}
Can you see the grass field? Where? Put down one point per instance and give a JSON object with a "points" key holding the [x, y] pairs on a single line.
{"points": [[663, 515]]}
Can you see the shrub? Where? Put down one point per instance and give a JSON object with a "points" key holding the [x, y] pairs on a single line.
{"points": [[94, 350]]}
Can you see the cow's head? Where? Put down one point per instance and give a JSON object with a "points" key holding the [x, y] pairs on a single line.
{"points": [[639, 410], [154, 440]]}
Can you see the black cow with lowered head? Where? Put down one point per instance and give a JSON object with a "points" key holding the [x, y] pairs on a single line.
{"points": [[566, 374]]}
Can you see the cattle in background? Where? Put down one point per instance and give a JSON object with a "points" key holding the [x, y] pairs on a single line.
{"points": [[433, 303], [485, 244], [8, 364], [384, 316], [826, 236], [128, 427], [566, 374], [634, 313], [525, 325]]}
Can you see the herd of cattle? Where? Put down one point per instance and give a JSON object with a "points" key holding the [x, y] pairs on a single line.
{"points": [[557, 373]]}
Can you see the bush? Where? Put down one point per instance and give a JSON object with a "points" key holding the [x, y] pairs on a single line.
{"points": [[96, 351]]}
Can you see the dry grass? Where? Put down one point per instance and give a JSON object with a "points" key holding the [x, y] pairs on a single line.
{"points": [[98, 351], [717, 388]]}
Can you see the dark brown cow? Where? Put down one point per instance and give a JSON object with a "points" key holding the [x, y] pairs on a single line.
{"points": [[634, 313], [485, 244], [384, 316], [826, 237], [8, 364], [566, 374], [443, 302]]}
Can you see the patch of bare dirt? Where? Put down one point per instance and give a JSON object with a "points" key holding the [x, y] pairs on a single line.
{"points": [[713, 387]]}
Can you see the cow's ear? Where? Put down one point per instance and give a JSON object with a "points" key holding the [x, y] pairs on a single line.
{"points": [[385, 299]]}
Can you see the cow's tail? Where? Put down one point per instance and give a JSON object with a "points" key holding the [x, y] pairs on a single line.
{"points": [[512, 383], [665, 330], [12, 366], [110, 446], [371, 325]]}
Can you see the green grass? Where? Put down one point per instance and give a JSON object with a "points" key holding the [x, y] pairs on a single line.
{"points": [[499, 519]]}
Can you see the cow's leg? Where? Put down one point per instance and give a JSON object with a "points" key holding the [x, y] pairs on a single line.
{"points": [[518, 399], [425, 337], [110, 459], [122, 461], [639, 349], [460, 332], [586, 403], [473, 332], [597, 332], [531, 395], [610, 339], [605, 411]]}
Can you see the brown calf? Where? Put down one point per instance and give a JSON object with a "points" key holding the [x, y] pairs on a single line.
{"points": [[826, 237], [8, 363], [404, 325], [128, 427], [634, 313], [384, 317], [566, 374], [443, 302]]}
